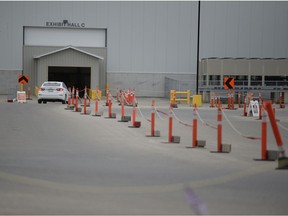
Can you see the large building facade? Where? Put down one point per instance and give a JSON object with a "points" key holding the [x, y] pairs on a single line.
{"points": [[133, 44]]}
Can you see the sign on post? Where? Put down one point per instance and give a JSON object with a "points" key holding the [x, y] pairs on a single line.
{"points": [[228, 83], [23, 79]]}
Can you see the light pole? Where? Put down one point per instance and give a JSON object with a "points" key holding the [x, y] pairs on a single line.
{"points": [[197, 60]]}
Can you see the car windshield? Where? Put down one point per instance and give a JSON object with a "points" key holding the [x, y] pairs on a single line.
{"points": [[51, 84]]}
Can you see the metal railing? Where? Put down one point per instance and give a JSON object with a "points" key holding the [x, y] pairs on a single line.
{"points": [[179, 85], [240, 84]]}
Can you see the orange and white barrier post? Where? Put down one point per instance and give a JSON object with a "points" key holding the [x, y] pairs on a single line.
{"points": [[85, 100], [109, 108], [122, 105], [171, 138], [73, 92], [194, 128], [170, 126], [97, 102], [76, 102], [218, 101], [229, 100], [107, 95], [133, 114], [239, 100], [85, 111], [221, 148], [264, 136], [135, 124], [29, 93], [154, 133], [232, 100], [260, 106], [110, 114], [212, 99], [268, 107], [245, 107], [281, 101], [118, 95], [123, 117], [152, 119], [219, 130], [70, 105], [69, 97], [282, 159]]}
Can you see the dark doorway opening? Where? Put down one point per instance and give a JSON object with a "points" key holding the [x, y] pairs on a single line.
{"points": [[79, 77]]}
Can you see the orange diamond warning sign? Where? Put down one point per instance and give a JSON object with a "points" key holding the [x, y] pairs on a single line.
{"points": [[23, 79]]}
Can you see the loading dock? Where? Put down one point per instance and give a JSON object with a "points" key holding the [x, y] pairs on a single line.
{"points": [[79, 77], [71, 65]]}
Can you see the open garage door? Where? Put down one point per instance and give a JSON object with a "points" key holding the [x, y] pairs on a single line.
{"points": [[79, 77]]}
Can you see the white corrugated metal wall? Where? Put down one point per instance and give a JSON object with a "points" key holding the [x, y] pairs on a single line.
{"points": [[156, 37], [244, 29]]}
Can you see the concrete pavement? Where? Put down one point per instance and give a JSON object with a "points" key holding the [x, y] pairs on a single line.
{"points": [[54, 161]]}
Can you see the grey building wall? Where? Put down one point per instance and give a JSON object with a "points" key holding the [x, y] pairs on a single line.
{"points": [[156, 37], [149, 84], [9, 81], [251, 29]]}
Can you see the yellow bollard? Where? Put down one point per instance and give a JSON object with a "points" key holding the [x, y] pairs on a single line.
{"points": [[188, 97]]}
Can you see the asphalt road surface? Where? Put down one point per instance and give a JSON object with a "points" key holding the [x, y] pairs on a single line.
{"points": [[55, 161]]}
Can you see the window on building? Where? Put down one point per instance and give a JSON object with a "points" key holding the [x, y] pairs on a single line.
{"points": [[276, 80], [239, 80], [256, 80], [204, 83], [214, 80]]}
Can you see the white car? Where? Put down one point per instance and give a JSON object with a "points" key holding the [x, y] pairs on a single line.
{"points": [[53, 91]]}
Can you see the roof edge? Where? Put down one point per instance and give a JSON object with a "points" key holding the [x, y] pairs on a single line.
{"points": [[66, 48]]}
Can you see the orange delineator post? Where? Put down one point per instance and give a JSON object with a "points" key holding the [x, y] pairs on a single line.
{"points": [[69, 97], [212, 102], [239, 100], [244, 109], [218, 101], [109, 108], [76, 103], [107, 96], [152, 119], [268, 107], [96, 106], [85, 102], [260, 106], [122, 109], [280, 100], [133, 114], [264, 137], [194, 128], [96, 102], [73, 91], [28, 96], [122, 105], [170, 138], [212, 99], [229, 100], [219, 130], [232, 100], [260, 111]]}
